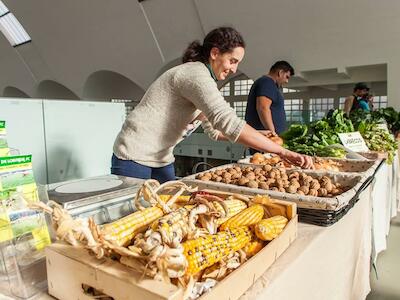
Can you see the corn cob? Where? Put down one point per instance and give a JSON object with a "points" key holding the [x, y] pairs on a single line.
{"points": [[181, 198], [272, 208], [208, 250], [249, 216], [122, 231], [253, 247], [174, 225], [234, 207], [268, 229]]}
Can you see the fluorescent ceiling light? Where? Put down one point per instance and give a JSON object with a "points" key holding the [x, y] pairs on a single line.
{"points": [[3, 9], [13, 30]]}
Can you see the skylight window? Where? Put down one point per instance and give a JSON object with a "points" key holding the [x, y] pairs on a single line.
{"points": [[3, 9], [13, 30]]}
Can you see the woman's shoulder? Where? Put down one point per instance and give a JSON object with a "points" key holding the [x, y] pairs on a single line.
{"points": [[190, 71], [190, 67]]}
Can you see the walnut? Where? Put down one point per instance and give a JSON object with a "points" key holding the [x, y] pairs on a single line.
{"points": [[248, 169], [304, 189], [322, 192], [313, 192], [291, 189], [267, 168], [226, 180], [252, 184], [251, 176], [257, 171], [236, 176], [205, 178], [272, 174], [262, 178], [263, 185], [243, 181], [218, 172], [314, 184]]}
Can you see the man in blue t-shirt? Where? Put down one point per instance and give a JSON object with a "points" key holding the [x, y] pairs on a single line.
{"points": [[265, 105]]}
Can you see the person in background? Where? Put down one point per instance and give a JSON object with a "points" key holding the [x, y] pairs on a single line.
{"points": [[361, 99], [265, 105], [144, 146]]}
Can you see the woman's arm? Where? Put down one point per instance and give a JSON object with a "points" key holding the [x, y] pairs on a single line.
{"points": [[253, 139], [348, 103]]}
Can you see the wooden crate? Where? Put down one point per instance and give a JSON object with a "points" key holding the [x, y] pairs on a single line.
{"points": [[68, 268]]}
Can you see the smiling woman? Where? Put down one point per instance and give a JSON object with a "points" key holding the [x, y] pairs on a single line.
{"points": [[222, 51], [144, 146]]}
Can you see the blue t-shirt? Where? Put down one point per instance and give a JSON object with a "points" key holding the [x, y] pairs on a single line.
{"points": [[266, 86]]}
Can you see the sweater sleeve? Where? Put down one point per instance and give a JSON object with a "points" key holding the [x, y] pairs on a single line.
{"points": [[197, 86], [209, 130]]}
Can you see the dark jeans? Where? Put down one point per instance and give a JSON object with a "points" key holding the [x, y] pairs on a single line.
{"points": [[130, 168]]}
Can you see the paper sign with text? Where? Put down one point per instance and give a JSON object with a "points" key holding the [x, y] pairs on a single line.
{"points": [[353, 141]]}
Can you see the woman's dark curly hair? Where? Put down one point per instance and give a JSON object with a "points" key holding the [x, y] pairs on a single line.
{"points": [[223, 38]]}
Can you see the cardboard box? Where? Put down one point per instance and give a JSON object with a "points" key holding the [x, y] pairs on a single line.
{"points": [[68, 268]]}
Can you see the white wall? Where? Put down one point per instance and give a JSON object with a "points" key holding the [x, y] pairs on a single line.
{"points": [[67, 139]]}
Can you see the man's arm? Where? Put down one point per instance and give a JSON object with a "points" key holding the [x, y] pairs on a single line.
{"points": [[263, 107], [348, 103]]}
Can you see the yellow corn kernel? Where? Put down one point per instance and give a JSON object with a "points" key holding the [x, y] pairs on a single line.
{"points": [[235, 206], [268, 229], [210, 249], [122, 231], [249, 216], [181, 198], [253, 247]]}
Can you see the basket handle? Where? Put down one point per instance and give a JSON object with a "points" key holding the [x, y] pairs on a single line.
{"points": [[202, 163]]}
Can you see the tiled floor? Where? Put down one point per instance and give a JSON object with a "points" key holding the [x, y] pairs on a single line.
{"points": [[387, 286]]}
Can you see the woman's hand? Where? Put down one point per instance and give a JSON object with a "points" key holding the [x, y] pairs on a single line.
{"points": [[267, 133], [298, 159]]}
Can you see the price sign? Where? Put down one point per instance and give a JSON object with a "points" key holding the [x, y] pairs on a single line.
{"points": [[353, 141]]}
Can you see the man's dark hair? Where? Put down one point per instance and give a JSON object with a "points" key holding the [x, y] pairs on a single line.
{"points": [[282, 65]]}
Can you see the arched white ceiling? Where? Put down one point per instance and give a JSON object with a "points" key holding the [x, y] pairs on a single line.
{"points": [[74, 39], [111, 85]]}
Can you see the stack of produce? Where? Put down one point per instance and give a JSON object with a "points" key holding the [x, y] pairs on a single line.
{"points": [[382, 115], [275, 179], [277, 162], [314, 139], [378, 139], [190, 240]]}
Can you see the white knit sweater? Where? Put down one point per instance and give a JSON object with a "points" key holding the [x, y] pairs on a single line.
{"points": [[157, 124]]}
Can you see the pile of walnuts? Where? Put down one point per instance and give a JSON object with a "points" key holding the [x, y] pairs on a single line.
{"points": [[275, 179]]}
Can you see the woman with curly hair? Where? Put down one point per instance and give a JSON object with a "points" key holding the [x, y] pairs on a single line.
{"points": [[144, 146]]}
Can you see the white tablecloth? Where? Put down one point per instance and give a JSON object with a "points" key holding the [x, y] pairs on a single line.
{"points": [[323, 263], [384, 205]]}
